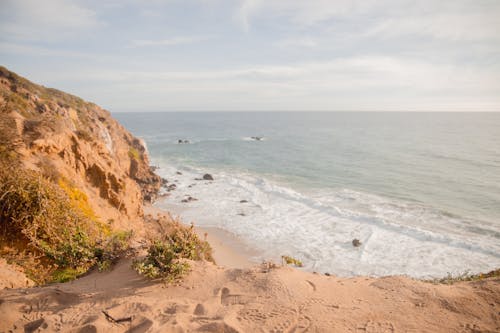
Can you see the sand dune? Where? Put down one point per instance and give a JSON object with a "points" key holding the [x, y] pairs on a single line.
{"points": [[260, 299]]}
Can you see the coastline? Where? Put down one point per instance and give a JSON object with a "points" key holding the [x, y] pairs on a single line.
{"points": [[237, 295]]}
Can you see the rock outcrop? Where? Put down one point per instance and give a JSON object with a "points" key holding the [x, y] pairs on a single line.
{"points": [[64, 137]]}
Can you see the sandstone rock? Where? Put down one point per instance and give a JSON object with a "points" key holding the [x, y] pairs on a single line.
{"points": [[208, 176]]}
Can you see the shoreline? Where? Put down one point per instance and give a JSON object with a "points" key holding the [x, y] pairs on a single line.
{"points": [[228, 250]]}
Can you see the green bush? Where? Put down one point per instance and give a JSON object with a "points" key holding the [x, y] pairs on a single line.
{"points": [[162, 261], [55, 221], [166, 257]]}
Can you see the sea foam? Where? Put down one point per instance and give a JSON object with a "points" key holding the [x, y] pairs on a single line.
{"points": [[317, 227]]}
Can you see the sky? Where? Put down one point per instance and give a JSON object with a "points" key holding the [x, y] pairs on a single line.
{"points": [[256, 55]]}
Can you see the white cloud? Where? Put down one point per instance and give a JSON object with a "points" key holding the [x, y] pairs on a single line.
{"points": [[364, 83], [299, 42], [169, 41], [46, 20], [455, 26], [300, 11], [456, 20]]}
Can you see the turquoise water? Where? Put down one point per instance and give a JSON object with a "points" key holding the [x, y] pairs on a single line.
{"points": [[420, 190]]}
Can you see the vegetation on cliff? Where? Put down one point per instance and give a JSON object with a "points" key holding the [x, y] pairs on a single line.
{"points": [[47, 223]]}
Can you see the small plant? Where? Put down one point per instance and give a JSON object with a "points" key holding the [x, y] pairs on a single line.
{"points": [[111, 249], [291, 261], [67, 274], [133, 153]]}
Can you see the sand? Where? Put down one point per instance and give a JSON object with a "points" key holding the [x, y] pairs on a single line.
{"points": [[238, 295], [260, 299]]}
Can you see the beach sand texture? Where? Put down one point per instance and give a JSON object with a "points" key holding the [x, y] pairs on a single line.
{"points": [[259, 299]]}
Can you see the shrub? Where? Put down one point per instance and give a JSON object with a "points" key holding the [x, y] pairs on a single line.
{"points": [[162, 261], [166, 257]]}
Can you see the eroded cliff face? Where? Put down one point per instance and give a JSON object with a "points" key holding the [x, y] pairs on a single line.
{"points": [[73, 141]]}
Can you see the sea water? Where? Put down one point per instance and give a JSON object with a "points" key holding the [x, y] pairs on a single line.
{"points": [[421, 191]]}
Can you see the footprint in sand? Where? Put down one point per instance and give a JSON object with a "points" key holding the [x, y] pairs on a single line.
{"points": [[226, 298], [376, 327]]}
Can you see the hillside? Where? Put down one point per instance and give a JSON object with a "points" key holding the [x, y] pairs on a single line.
{"points": [[60, 135]]}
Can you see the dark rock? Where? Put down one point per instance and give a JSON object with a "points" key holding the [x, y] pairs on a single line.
{"points": [[208, 176], [186, 141], [200, 310], [171, 187], [179, 141], [327, 274], [356, 242], [179, 173], [164, 182], [256, 138], [243, 201], [188, 199], [242, 214], [34, 325]]}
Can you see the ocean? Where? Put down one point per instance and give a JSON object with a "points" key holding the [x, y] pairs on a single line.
{"points": [[420, 191]]}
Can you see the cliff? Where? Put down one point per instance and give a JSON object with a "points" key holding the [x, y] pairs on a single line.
{"points": [[71, 141]]}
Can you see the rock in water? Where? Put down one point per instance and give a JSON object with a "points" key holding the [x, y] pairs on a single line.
{"points": [[356, 242], [208, 176]]}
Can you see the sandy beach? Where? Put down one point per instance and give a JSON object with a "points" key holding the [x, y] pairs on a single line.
{"points": [[260, 299], [238, 295]]}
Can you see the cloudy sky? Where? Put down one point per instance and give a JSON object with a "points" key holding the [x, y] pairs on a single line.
{"points": [[175, 55]]}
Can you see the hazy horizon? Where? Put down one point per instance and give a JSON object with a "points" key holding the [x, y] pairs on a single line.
{"points": [[253, 55]]}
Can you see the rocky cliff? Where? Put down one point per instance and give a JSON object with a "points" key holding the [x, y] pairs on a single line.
{"points": [[75, 142]]}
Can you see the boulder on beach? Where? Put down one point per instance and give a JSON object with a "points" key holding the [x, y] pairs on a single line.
{"points": [[208, 176], [243, 201], [356, 242], [256, 138], [180, 141]]}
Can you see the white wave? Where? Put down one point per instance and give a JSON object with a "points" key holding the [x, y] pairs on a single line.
{"points": [[318, 228]]}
